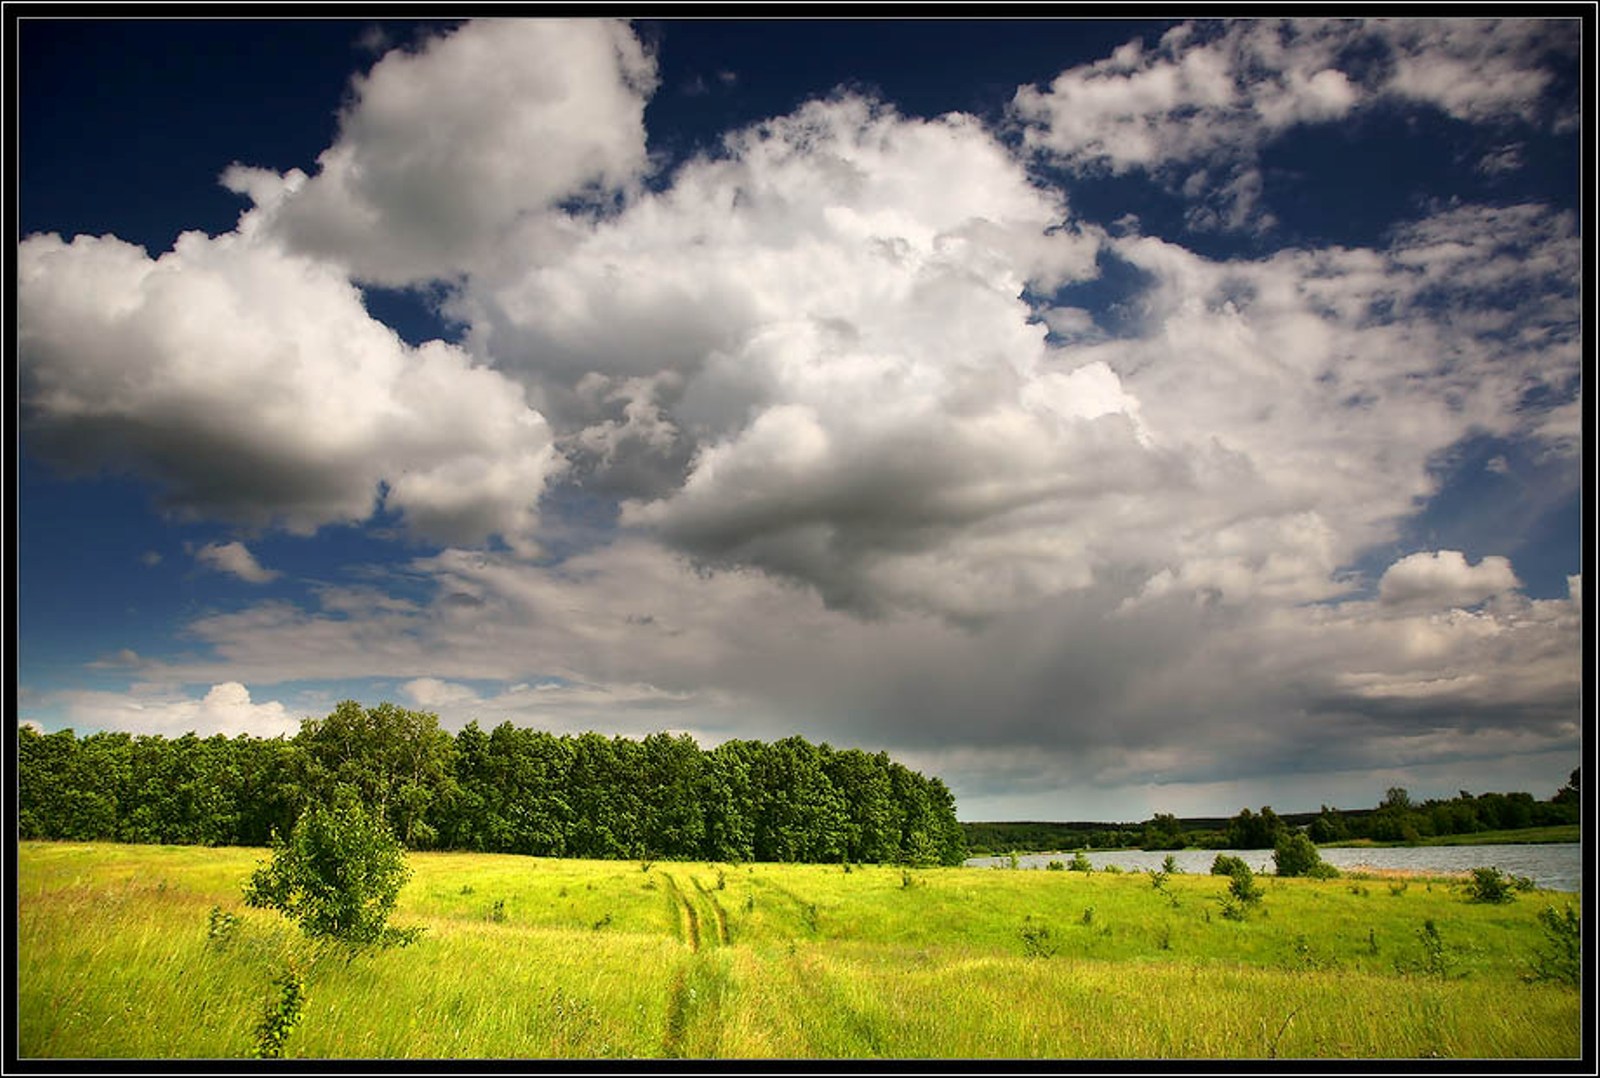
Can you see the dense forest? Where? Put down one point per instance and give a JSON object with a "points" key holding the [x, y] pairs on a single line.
{"points": [[510, 790], [1396, 819]]}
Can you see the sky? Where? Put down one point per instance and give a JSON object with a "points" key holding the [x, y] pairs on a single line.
{"points": [[1109, 418]]}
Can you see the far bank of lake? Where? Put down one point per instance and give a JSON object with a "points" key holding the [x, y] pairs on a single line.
{"points": [[1552, 866]]}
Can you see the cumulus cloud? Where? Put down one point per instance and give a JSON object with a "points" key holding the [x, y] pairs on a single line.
{"points": [[1444, 578], [235, 558], [226, 708], [252, 387], [1215, 94], [443, 149]]}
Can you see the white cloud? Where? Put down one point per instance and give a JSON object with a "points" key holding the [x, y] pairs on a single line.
{"points": [[1218, 93], [226, 708], [1444, 579], [444, 149], [235, 558], [433, 693], [252, 386]]}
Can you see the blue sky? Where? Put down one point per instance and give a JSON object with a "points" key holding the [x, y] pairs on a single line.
{"points": [[1110, 418]]}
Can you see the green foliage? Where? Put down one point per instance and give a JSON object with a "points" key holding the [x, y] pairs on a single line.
{"points": [[512, 790], [1225, 864], [1055, 866], [1249, 831], [1296, 855], [220, 926], [1080, 863], [1436, 959], [1489, 884], [281, 1017], [1169, 865], [1560, 959], [337, 875], [1037, 941]]}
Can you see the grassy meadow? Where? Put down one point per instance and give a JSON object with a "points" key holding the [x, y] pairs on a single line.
{"points": [[119, 955]]}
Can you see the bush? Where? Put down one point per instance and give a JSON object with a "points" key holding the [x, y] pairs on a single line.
{"points": [[1296, 855], [1228, 865], [1080, 863], [1560, 961], [337, 876], [1036, 939], [1490, 885]]}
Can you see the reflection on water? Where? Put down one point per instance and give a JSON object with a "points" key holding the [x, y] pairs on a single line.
{"points": [[1552, 866]]}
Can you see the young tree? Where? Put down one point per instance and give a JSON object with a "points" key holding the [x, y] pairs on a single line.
{"points": [[337, 876], [1296, 855]]}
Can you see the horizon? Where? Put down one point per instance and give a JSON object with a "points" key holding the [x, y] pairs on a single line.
{"points": [[1104, 417]]}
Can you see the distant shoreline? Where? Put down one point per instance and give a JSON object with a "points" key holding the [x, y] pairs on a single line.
{"points": [[1531, 836]]}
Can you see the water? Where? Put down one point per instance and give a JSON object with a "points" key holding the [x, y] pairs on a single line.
{"points": [[1552, 866]]}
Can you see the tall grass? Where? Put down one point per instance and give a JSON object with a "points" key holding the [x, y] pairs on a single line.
{"points": [[118, 956]]}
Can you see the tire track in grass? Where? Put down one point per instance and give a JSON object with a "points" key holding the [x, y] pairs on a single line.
{"points": [[688, 917], [717, 911]]}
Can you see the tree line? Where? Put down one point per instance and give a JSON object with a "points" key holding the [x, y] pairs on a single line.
{"points": [[1395, 819], [508, 790]]}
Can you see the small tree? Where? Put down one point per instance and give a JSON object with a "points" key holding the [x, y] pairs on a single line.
{"points": [[337, 876], [1296, 855]]}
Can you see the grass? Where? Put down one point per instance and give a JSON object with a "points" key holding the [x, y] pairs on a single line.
{"points": [[542, 958]]}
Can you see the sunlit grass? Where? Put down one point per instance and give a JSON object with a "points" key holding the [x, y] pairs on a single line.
{"points": [[544, 958]]}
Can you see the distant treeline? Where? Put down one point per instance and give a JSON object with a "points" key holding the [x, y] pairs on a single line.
{"points": [[511, 790], [1395, 819]]}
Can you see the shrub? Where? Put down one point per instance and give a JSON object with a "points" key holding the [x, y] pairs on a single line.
{"points": [[1036, 940], [1169, 865], [280, 1017], [1228, 865], [1296, 855], [1560, 961], [1080, 863], [1490, 885], [1055, 866], [337, 876]]}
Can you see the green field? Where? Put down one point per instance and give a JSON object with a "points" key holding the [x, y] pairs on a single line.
{"points": [[539, 958]]}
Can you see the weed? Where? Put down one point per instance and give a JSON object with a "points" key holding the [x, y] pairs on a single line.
{"points": [[1036, 939], [1158, 878], [1436, 958], [1055, 866], [497, 912], [1398, 887], [1272, 1043], [1560, 960], [1359, 890], [722, 880], [810, 915], [1164, 937], [466, 888], [281, 1016], [749, 903], [1169, 865], [1080, 863], [1088, 917], [602, 922], [1231, 909], [221, 926], [646, 866], [1372, 941], [907, 880]]}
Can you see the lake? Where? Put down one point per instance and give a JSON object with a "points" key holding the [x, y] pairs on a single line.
{"points": [[1552, 866]]}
